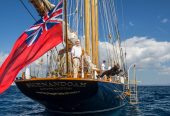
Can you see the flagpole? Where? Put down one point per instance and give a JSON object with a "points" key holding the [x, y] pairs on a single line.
{"points": [[66, 38]]}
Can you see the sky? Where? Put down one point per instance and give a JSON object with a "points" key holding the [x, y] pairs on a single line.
{"points": [[144, 29]]}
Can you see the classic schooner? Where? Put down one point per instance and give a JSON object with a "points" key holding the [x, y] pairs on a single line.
{"points": [[58, 91]]}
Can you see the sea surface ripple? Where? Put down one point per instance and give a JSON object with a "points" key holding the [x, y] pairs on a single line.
{"points": [[154, 101]]}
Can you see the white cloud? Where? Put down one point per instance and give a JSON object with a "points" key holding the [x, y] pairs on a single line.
{"points": [[145, 52], [131, 24], [165, 20], [149, 53]]}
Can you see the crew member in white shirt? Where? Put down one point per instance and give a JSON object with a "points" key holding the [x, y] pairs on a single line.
{"points": [[103, 65], [76, 54]]}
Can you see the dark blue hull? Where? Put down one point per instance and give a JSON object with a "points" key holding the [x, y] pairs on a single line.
{"points": [[75, 96]]}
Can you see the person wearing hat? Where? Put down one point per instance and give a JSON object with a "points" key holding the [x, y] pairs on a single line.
{"points": [[76, 53]]}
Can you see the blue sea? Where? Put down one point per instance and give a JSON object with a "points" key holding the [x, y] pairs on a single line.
{"points": [[154, 101]]}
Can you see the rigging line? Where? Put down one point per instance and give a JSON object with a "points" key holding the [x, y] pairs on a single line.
{"points": [[106, 15], [117, 30], [112, 32], [77, 1], [70, 10], [102, 24], [80, 19], [122, 58], [115, 57], [53, 61], [63, 28], [83, 30], [115, 51], [116, 22], [50, 61], [116, 54], [82, 14], [107, 22], [110, 17], [106, 42], [74, 18], [112, 24], [109, 35], [71, 17], [27, 10], [123, 19], [54, 57], [125, 56], [47, 68], [124, 29], [56, 50], [105, 12]]}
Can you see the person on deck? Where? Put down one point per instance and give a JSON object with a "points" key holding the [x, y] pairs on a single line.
{"points": [[76, 53], [115, 70], [103, 65]]}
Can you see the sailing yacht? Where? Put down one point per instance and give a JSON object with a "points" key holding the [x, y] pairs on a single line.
{"points": [[58, 91]]}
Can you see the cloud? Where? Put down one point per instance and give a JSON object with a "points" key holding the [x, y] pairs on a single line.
{"points": [[149, 53], [144, 47], [146, 52], [165, 20], [131, 24]]}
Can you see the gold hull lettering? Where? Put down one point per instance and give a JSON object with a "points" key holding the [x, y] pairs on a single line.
{"points": [[56, 84]]}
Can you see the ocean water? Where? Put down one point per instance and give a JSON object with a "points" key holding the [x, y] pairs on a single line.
{"points": [[154, 101]]}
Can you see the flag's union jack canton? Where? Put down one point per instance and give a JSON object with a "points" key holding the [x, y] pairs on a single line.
{"points": [[52, 18]]}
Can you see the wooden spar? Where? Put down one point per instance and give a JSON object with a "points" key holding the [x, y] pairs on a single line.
{"points": [[97, 34], [93, 31], [48, 4], [87, 25], [42, 6], [94, 17], [66, 37]]}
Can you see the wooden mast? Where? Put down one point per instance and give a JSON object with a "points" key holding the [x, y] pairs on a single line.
{"points": [[97, 35], [94, 18], [66, 37], [87, 25]]}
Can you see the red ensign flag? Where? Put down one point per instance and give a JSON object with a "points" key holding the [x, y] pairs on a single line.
{"points": [[32, 44]]}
